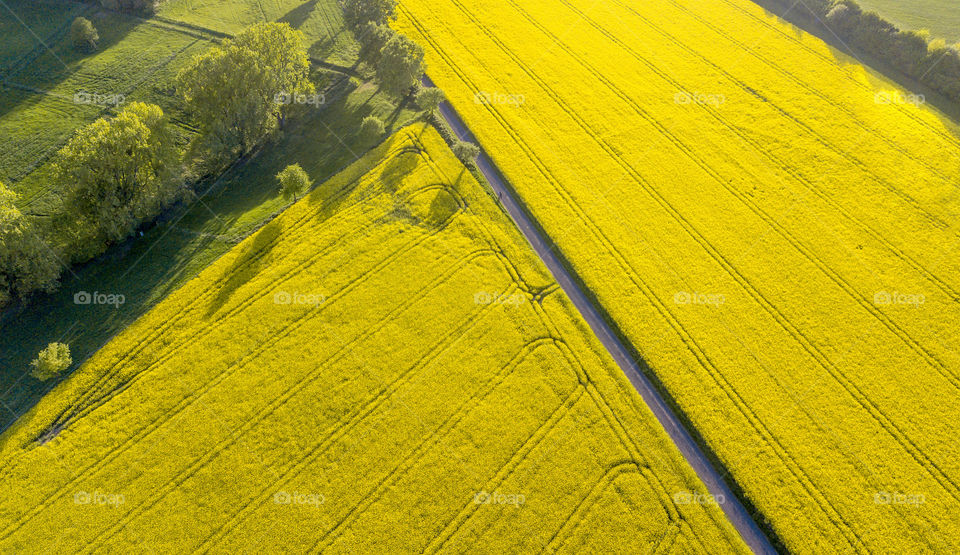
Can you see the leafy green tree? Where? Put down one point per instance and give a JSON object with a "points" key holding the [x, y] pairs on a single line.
{"points": [[293, 181], [429, 99], [134, 6], [243, 89], [83, 35], [358, 13], [52, 360], [27, 264], [116, 174], [371, 129], [466, 151], [400, 66], [373, 38]]}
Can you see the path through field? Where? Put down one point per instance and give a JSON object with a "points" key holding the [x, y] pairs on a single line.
{"points": [[738, 515]]}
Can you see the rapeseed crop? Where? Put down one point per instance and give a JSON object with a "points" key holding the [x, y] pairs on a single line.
{"points": [[772, 225], [385, 367]]}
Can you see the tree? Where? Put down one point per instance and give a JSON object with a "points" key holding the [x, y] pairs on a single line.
{"points": [[117, 173], [52, 360], [147, 7], [358, 13], [371, 129], [242, 90], [400, 66], [83, 35], [429, 99], [373, 38], [467, 152], [293, 181], [26, 263]]}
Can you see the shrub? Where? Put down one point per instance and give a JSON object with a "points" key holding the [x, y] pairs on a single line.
{"points": [[26, 263], [400, 66], [371, 129], [146, 7], [83, 35], [429, 99], [466, 151], [358, 13], [117, 173], [52, 360], [293, 181]]}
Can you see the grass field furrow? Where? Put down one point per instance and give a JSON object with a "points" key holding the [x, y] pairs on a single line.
{"points": [[847, 287], [779, 163], [538, 435], [795, 470], [276, 403]]}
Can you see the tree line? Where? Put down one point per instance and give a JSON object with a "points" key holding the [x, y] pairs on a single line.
{"points": [[931, 62]]}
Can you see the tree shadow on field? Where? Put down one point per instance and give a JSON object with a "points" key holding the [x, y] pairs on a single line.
{"points": [[255, 256], [402, 164], [299, 15]]}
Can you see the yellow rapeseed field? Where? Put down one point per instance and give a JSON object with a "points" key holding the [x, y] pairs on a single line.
{"points": [[771, 225], [385, 367]]}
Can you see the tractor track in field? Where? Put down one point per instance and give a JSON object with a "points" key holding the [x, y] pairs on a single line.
{"points": [[694, 455]]}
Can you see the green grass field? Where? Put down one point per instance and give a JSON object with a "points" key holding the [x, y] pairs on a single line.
{"points": [[135, 59], [940, 17]]}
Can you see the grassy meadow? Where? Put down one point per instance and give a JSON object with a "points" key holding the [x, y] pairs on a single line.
{"points": [[940, 17]]}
